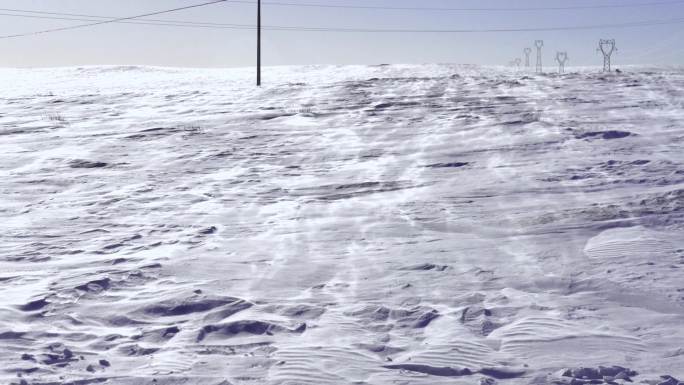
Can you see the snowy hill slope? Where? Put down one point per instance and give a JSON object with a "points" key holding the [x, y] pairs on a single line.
{"points": [[421, 224]]}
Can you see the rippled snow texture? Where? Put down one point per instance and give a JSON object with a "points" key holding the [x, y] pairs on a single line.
{"points": [[368, 225]]}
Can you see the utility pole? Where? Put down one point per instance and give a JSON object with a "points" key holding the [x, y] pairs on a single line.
{"points": [[259, 43], [561, 58], [527, 52], [539, 44], [607, 47]]}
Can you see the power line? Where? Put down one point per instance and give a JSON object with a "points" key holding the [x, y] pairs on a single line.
{"points": [[189, 24], [92, 18], [485, 9], [182, 23], [79, 17], [116, 20], [494, 30], [314, 5]]}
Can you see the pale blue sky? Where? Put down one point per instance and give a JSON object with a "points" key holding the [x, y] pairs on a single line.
{"points": [[174, 46]]}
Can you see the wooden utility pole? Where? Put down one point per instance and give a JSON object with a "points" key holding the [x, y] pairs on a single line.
{"points": [[259, 43]]}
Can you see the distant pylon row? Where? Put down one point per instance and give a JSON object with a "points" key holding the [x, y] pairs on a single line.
{"points": [[607, 47]]}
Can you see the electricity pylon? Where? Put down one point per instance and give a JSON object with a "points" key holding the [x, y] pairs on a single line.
{"points": [[607, 47], [539, 44], [527, 52], [561, 58], [517, 62]]}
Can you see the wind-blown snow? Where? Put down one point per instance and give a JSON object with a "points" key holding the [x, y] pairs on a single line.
{"points": [[368, 225]]}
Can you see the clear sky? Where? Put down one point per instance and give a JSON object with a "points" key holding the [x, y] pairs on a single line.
{"points": [[177, 46]]}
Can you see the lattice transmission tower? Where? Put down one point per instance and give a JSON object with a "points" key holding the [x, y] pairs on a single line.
{"points": [[528, 52], [539, 44], [561, 58], [607, 47]]}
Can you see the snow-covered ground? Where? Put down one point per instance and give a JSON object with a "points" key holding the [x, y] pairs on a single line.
{"points": [[341, 225]]}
